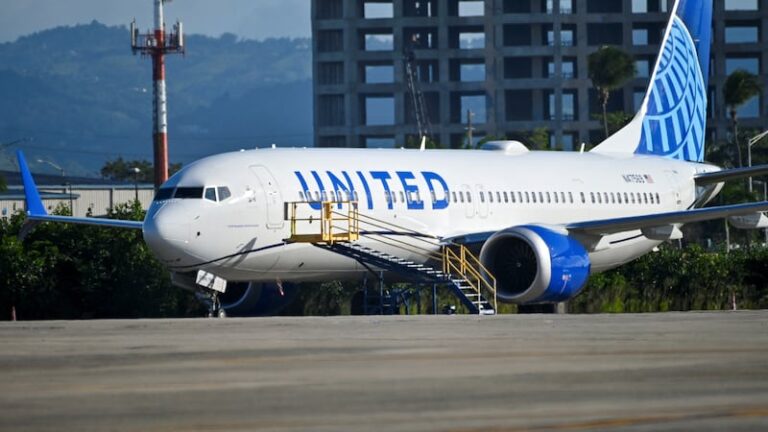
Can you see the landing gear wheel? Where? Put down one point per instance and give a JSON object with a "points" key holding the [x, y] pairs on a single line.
{"points": [[216, 310]]}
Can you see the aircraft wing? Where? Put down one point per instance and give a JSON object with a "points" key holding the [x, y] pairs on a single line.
{"points": [[731, 174], [604, 227], [611, 226], [36, 210]]}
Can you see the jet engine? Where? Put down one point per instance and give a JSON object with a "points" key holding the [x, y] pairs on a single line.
{"points": [[534, 264], [250, 299]]}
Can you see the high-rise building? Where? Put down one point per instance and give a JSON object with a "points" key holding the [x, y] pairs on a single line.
{"points": [[517, 65]]}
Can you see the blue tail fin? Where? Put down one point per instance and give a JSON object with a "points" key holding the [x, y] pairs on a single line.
{"points": [[35, 205], [671, 121]]}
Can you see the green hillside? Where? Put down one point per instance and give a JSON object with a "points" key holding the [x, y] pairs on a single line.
{"points": [[84, 98]]}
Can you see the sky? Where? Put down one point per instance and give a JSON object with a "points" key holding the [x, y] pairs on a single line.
{"points": [[248, 19]]}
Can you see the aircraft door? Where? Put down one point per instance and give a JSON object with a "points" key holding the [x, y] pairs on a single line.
{"points": [[270, 193], [482, 201], [674, 189], [466, 201]]}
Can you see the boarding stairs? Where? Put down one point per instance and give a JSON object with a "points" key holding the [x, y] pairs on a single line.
{"points": [[454, 266]]}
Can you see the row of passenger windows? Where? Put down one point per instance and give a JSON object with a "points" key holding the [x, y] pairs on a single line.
{"points": [[215, 194], [499, 197]]}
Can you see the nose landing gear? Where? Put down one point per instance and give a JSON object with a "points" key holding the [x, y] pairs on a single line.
{"points": [[216, 310]]}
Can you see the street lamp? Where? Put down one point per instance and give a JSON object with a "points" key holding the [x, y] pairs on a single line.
{"points": [[136, 171], [765, 198], [66, 183], [752, 141]]}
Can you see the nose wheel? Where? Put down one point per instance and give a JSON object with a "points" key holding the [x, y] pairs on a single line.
{"points": [[216, 310]]}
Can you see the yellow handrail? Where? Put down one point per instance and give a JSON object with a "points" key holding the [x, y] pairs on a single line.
{"points": [[464, 263], [349, 233], [469, 267]]}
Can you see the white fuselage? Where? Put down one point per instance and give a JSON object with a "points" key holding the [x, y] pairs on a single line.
{"points": [[441, 193]]}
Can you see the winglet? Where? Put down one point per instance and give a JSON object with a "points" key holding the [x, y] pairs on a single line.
{"points": [[35, 205]]}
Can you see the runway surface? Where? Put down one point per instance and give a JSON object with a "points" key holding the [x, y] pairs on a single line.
{"points": [[675, 371]]}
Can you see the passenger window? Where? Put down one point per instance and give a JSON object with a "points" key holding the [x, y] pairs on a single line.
{"points": [[520, 197], [533, 194], [626, 198], [402, 197], [557, 199], [512, 195], [506, 197], [490, 197], [658, 199], [562, 197], [548, 198], [498, 196], [454, 197], [469, 197], [210, 194], [592, 196], [482, 197], [461, 196], [583, 198], [570, 197]]}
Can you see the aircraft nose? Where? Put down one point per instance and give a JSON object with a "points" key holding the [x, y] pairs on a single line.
{"points": [[167, 231]]}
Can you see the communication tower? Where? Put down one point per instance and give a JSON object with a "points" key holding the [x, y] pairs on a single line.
{"points": [[157, 44]]}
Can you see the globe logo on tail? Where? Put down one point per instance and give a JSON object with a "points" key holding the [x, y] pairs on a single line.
{"points": [[675, 120]]}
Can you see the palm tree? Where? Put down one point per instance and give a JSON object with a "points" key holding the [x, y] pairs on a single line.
{"points": [[739, 88], [609, 69]]}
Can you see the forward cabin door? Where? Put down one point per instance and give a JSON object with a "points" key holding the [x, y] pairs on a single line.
{"points": [[271, 197]]}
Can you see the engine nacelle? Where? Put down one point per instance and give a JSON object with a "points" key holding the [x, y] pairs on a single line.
{"points": [[250, 299], [534, 264]]}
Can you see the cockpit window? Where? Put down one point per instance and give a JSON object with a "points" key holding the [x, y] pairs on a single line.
{"points": [[164, 194], [210, 194], [188, 192], [224, 193]]}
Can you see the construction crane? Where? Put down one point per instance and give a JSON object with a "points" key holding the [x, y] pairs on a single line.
{"points": [[417, 96]]}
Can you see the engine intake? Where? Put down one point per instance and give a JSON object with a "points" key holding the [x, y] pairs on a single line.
{"points": [[534, 264]]}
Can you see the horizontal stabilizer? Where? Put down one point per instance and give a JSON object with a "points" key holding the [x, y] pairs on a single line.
{"points": [[731, 174]]}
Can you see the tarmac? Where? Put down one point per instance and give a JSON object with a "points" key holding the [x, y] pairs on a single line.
{"points": [[672, 371]]}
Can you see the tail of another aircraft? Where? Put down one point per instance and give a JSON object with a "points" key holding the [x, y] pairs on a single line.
{"points": [[671, 121]]}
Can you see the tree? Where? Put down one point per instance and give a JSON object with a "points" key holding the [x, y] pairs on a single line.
{"points": [[3, 184], [739, 88], [122, 170], [609, 69]]}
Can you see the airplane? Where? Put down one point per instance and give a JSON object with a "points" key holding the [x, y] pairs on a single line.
{"points": [[543, 222]]}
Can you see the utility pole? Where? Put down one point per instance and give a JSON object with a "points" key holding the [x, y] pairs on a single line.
{"points": [[470, 129], [754, 140], [157, 44]]}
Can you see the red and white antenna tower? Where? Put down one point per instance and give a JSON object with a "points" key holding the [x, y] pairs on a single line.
{"points": [[157, 44]]}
